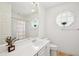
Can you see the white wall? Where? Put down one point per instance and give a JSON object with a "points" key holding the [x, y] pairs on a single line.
{"points": [[5, 21], [42, 22], [67, 40]]}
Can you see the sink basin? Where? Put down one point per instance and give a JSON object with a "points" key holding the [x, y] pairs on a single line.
{"points": [[36, 44], [39, 42]]}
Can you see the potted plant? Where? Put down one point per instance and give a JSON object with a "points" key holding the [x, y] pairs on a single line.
{"points": [[10, 43]]}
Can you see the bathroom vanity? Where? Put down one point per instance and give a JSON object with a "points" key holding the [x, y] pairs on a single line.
{"points": [[28, 47]]}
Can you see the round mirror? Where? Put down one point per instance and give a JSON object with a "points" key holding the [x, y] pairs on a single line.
{"points": [[65, 19]]}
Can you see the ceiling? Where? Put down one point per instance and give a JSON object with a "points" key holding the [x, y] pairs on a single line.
{"points": [[26, 7], [50, 4], [21, 7]]}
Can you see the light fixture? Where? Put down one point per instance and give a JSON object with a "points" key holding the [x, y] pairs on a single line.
{"points": [[33, 10], [65, 19], [35, 21], [35, 6]]}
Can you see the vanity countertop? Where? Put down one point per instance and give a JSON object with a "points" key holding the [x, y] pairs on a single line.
{"points": [[26, 48]]}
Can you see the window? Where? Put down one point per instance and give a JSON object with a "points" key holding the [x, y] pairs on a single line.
{"points": [[19, 29]]}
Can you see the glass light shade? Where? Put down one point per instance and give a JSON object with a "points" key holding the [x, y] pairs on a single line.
{"points": [[65, 19], [35, 23]]}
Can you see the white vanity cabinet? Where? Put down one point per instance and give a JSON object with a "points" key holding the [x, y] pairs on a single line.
{"points": [[28, 48]]}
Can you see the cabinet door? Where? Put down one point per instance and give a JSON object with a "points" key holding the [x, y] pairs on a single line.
{"points": [[36, 54], [45, 51]]}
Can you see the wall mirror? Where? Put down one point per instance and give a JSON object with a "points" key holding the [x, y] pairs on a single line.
{"points": [[16, 18], [65, 19]]}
